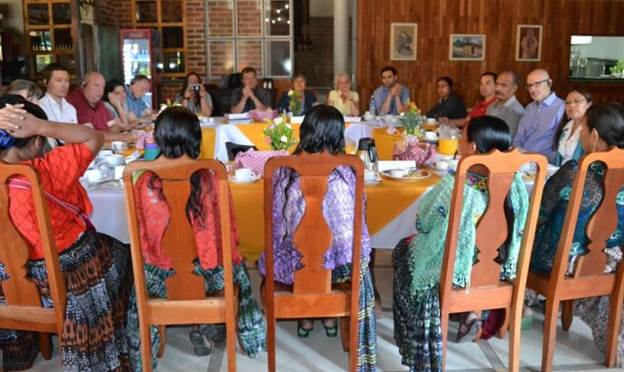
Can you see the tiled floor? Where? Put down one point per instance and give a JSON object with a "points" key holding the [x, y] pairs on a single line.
{"points": [[575, 350]]}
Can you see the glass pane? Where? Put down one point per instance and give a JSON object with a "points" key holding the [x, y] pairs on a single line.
{"points": [[42, 60], [61, 13], [38, 14], [67, 60], [249, 53], [172, 37], [171, 10], [277, 17], [146, 12], [278, 59], [63, 39], [135, 58], [249, 17], [173, 61], [596, 57], [40, 41], [221, 58], [220, 17]]}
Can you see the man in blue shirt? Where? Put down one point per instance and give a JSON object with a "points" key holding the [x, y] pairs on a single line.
{"points": [[538, 125], [139, 86], [392, 97]]}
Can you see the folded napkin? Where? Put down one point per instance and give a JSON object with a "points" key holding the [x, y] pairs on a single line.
{"points": [[255, 160]]}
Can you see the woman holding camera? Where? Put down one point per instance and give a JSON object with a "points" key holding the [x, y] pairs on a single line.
{"points": [[194, 97]]}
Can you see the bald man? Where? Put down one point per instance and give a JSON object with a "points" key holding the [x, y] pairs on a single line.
{"points": [[91, 110], [538, 125]]}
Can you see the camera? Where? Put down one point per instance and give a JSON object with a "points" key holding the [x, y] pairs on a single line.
{"points": [[196, 88]]}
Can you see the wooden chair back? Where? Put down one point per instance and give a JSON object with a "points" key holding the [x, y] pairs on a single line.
{"points": [[22, 309], [486, 290], [186, 301], [312, 295], [588, 278]]}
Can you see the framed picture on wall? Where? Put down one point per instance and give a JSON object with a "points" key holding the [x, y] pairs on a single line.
{"points": [[403, 41], [529, 43], [467, 47]]}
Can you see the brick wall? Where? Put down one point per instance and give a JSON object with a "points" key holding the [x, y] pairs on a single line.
{"points": [[196, 37], [220, 18], [249, 15], [114, 13]]}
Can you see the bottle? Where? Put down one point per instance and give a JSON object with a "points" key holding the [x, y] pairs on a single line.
{"points": [[371, 106]]}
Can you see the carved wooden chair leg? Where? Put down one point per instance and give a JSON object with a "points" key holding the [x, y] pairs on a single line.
{"points": [[162, 330], [45, 345]]}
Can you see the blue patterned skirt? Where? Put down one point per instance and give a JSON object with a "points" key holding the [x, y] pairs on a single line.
{"points": [[98, 281]]}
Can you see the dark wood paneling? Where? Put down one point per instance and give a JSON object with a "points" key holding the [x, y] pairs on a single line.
{"points": [[497, 19]]}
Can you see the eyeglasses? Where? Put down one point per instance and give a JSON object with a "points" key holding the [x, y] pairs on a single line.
{"points": [[536, 84], [575, 101]]}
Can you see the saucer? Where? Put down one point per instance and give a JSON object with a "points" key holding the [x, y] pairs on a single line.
{"points": [[253, 179], [112, 184], [413, 174], [376, 181]]}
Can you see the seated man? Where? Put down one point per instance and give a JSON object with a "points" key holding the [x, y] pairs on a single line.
{"points": [[538, 125], [391, 97], [487, 83], [135, 103], [506, 106], [250, 96], [91, 110]]}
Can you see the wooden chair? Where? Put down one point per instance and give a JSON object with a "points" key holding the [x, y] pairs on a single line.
{"points": [[186, 301], [487, 291], [312, 294], [588, 278], [22, 310]]}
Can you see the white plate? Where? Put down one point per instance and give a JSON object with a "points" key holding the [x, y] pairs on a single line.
{"points": [[420, 174], [112, 184], [440, 172], [373, 183], [252, 180]]}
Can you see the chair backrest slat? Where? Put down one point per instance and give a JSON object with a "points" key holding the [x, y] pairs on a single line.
{"points": [[313, 237], [14, 250], [179, 239], [492, 227]]}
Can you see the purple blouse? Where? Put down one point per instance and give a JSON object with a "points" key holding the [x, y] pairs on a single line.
{"points": [[288, 209]]}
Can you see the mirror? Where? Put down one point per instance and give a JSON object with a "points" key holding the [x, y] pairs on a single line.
{"points": [[596, 57]]}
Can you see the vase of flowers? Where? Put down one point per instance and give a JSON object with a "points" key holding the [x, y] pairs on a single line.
{"points": [[412, 119], [279, 134], [296, 102]]}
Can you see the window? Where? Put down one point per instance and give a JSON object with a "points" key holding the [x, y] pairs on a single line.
{"points": [[166, 18], [256, 33], [596, 57], [48, 26]]}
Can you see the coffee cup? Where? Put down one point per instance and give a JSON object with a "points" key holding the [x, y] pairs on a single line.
{"points": [[442, 165], [119, 146], [431, 120], [105, 153], [243, 174], [93, 175], [452, 164], [119, 169], [397, 172], [431, 136], [115, 159], [368, 116], [370, 175]]}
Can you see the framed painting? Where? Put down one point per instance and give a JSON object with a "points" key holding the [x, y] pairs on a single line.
{"points": [[467, 47], [529, 43], [403, 41]]}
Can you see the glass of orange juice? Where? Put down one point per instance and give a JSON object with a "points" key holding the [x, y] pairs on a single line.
{"points": [[350, 147], [447, 146]]}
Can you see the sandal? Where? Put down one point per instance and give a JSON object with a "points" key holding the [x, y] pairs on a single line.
{"points": [[331, 330], [303, 331], [201, 347], [469, 331]]}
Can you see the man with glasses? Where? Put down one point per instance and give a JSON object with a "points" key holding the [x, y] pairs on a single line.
{"points": [[506, 106], [538, 125]]}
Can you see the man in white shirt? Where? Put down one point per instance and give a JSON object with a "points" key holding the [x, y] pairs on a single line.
{"points": [[56, 79]]}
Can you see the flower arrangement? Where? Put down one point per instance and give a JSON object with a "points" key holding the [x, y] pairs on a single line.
{"points": [[412, 119], [296, 102], [279, 134], [618, 69], [169, 103]]}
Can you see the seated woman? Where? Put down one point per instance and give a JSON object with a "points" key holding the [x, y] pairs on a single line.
{"points": [[194, 96], [25, 88], [115, 102], [342, 97], [450, 105], [306, 99], [178, 133], [603, 129], [567, 142], [96, 267], [323, 130], [418, 258]]}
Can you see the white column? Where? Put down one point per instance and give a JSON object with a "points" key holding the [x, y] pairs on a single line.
{"points": [[341, 35]]}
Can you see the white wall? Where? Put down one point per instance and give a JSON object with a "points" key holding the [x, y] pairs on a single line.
{"points": [[15, 18], [602, 47]]}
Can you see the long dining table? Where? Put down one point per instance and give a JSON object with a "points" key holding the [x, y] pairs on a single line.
{"points": [[390, 211]]}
